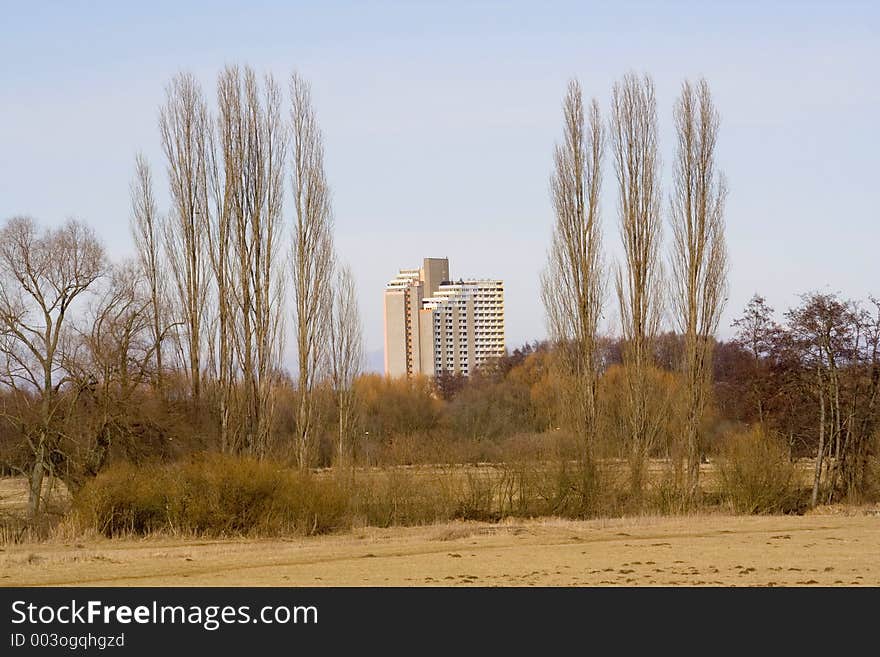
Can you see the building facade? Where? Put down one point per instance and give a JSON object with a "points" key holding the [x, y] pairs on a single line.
{"points": [[433, 324]]}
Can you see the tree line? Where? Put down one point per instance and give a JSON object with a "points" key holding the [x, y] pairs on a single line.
{"points": [[813, 380], [195, 323], [178, 350], [577, 275], [823, 357]]}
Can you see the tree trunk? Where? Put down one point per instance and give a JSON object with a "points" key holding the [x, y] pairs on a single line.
{"points": [[820, 452], [36, 487]]}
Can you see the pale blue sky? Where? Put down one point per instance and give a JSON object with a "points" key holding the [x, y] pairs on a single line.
{"points": [[440, 120]]}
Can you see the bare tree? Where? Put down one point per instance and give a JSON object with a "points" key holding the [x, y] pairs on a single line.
{"points": [[247, 192], [637, 165], [573, 283], [42, 275], [184, 125], [260, 241], [699, 255], [346, 359], [862, 427], [226, 202], [146, 230], [110, 364], [117, 331], [827, 331], [312, 260], [758, 333]]}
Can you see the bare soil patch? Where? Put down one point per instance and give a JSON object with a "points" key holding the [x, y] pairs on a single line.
{"points": [[824, 548]]}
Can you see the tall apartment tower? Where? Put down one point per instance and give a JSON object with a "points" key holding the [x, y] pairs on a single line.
{"points": [[403, 301], [433, 324], [467, 320]]}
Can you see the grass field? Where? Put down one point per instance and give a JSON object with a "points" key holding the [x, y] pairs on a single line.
{"points": [[826, 550]]}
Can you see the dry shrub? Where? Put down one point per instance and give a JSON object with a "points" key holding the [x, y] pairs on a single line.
{"points": [[15, 529], [757, 475], [398, 497], [872, 472], [477, 500], [661, 432], [125, 499], [560, 487], [215, 495], [211, 496], [572, 490], [669, 494], [430, 449]]}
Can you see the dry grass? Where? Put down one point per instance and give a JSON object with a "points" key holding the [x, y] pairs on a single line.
{"points": [[830, 546], [706, 550], [13, 505], [14, 494], [221, 497]]}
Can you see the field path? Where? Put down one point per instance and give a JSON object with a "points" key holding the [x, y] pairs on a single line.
{"points": [[822, 550]]}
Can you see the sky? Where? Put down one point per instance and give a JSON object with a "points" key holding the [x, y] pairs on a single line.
{"points": [[440, 120]]}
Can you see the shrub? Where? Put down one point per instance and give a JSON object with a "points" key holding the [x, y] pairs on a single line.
{"points": [[400, 497], [124, 499], [480, 496], [871, 492], [216, 495], [757, 475], [210, 495], [669, 496]]}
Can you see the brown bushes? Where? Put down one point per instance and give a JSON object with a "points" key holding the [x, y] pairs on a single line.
{"points": [[871, 492], [757, 475], [231, 496], [210, 495]]}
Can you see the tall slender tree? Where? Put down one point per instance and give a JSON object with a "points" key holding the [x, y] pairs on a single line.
{"points": [[346, 360], [312, 260], [226, 202], [699, 255], [247, 189], [637, 166], [184, 124], [573, 282], [146, 230]]}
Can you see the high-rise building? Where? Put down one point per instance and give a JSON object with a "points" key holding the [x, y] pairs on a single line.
{"points": [[467, 324], [403, 300], [433, 324]]}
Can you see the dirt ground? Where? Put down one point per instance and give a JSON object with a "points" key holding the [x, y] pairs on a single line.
{"points": [[834, 547]]}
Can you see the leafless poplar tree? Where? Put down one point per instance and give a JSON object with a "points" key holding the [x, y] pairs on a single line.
{"points": [[42, 274], [247, 191], [146, 229], [184, 125], [637, 165], [346, 359], [573, 283], [312, 260], [699, 254], [226, 202]]}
